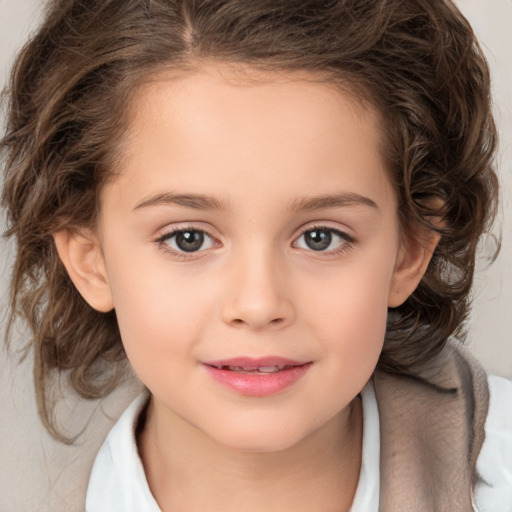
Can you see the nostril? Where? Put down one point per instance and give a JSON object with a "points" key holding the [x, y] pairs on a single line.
{"points": [[241, 322]]}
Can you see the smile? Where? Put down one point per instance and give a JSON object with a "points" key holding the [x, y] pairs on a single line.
{"points": [[257, 377], [258, 370]]}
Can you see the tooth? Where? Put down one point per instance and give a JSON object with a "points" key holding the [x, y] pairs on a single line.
{"points": [[260, 369], [268, 369]]}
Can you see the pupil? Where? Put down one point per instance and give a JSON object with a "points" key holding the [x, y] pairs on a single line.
{"points": [[318, 240], [190, 241]]}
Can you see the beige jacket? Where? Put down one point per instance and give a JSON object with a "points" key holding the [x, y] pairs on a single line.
{"points": [[432, 430]]}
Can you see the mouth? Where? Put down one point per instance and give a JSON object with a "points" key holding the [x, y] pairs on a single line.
{"points": [[259, 370], [257, 377]]}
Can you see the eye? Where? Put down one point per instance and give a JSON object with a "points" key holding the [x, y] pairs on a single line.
{"points": [[187, 240], [323, 239]]}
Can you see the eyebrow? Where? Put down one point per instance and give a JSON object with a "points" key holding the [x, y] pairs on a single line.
{"points": [[195, 201], [204, 202], [333, 201]]}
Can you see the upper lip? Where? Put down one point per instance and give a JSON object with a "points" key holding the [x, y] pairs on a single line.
{"points": [[251, 363]]}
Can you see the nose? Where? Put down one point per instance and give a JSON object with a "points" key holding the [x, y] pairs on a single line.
{"points": [[258, 296]]}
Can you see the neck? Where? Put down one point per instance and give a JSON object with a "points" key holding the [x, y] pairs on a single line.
{"points": [[186, 470]]}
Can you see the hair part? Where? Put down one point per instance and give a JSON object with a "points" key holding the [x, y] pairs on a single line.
{"points": [[416, 61]]}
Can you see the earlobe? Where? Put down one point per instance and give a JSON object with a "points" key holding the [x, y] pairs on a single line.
{"points": [[81, 255], [412, 262]]}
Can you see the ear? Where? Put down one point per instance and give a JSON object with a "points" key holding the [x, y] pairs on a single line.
{"points": [[81, 255], [413, 258]]}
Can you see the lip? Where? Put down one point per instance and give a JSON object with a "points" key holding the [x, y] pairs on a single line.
{"points": [[257, 384]]}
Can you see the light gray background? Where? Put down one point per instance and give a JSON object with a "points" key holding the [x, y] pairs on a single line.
{"points": [[36, 473]]}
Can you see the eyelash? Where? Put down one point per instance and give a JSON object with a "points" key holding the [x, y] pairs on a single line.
{"points": [[347, 240], [176, 253], [181, 255]]}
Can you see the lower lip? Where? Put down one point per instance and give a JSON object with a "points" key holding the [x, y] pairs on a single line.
{"points": [[252, 384]]}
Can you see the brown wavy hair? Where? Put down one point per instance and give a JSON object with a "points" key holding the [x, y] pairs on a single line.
{"points": [[417, 61]]}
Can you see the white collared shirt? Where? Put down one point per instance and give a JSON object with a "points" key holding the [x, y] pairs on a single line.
{"points": [[118, 482]]}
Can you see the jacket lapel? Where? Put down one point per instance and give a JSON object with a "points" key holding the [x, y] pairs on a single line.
{"points": [[432, 430]]}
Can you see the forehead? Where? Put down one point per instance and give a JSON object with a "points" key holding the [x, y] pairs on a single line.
{"points": [[226, 125], [312, 97]]}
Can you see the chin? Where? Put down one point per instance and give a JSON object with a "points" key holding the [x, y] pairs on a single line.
{"points": [[270, 439]]}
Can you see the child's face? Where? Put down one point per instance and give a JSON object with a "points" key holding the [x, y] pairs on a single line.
{"points": [[251, 221]]}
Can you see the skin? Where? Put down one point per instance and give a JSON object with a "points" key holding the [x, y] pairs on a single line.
{"points": [[265, 154]]}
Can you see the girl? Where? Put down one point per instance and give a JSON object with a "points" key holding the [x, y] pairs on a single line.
{"points": [[270, 209]]}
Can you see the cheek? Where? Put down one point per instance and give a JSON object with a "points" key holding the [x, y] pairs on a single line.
{"points": [[354, 348], [357, 289], [360, 319], [350, 310], [150, 314], [162, 314]]}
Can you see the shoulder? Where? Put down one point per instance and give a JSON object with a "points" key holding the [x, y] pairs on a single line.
{"points": [[117, 479], [495, 460], [456, 416]]}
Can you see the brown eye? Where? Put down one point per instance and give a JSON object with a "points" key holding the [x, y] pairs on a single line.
{"points": [[187, 240], [323, 239], [318, 239]]}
